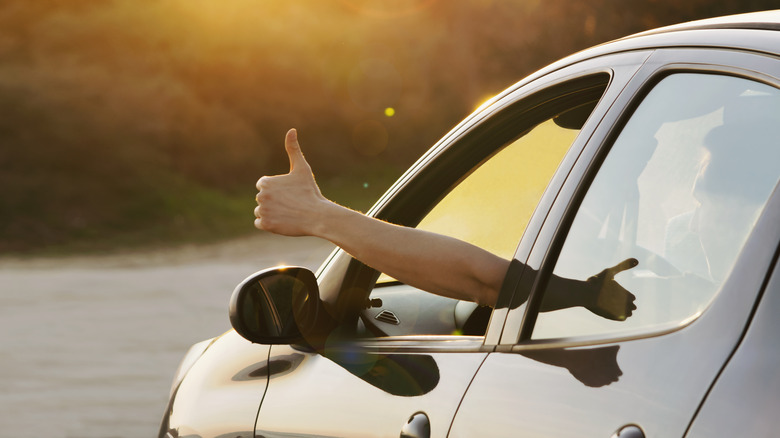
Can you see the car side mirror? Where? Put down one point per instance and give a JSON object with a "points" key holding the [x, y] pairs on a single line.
{"points": [[276, 306]]}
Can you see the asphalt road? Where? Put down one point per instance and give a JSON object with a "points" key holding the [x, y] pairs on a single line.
{"points": [[89, 345]]}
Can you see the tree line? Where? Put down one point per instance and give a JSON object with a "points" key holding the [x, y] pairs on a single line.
{"points": [[119, 117]]}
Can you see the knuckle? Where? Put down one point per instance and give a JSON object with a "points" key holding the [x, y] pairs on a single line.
{"points": [[268, 224], [263, 182]]}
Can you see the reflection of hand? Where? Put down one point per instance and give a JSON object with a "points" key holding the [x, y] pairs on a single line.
{"points": [[595, 367], [289, 204], [611, 300]]}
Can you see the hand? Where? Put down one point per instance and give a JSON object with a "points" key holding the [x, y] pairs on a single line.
{"points": [[289, 204], [611, 300]]}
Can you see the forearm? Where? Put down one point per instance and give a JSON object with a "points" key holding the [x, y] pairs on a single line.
{"points": [[431, 262], [292, 205], [563, 293]]}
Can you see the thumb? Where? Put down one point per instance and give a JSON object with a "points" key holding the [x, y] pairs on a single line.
{"points": [[622, 266], [297, 162]]}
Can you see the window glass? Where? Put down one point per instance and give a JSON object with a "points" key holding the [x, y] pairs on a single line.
{"points": [[493, 205], [671, 206]]}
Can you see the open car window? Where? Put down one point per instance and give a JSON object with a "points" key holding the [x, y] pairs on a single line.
{"points": [[678, 193], [489, 207]]}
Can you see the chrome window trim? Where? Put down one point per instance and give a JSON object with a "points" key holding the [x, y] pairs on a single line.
{"points": [[419, 344], [607, 338]]}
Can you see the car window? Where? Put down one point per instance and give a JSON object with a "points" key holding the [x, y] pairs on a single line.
{"points": [[678, 192], [489, 207], [493, 205]]}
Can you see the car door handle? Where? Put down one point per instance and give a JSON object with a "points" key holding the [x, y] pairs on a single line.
{"points": [[418, 426], [629, 431]]}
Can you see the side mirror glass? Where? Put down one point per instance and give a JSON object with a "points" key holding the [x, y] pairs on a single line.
{"points": [[274, 305]]}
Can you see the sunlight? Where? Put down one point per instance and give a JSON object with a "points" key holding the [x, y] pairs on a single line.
{"points": [[385, 9], [508, 186], [484, 102], [221, 20]]}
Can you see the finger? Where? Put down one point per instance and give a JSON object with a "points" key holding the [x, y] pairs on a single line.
{"points": [[259, 224], [261, 183], [257, 212], [622, 266], [293, 148]]}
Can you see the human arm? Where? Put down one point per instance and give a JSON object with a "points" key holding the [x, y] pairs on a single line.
{"points": [[293, 205]]}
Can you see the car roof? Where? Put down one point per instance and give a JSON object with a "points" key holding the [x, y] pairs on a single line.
{"points": [[766, 20], [755, 31]]}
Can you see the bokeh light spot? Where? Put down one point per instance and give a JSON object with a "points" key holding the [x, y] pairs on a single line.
{"points": [[389, 111]]}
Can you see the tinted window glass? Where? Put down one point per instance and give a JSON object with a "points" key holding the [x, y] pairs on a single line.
{"points": [[678, 192]]}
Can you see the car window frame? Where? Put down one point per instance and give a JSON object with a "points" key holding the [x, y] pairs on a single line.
{"points": [[354, 274], [543, 256]]}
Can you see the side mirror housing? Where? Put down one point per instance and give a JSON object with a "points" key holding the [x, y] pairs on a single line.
{"points": [[277, 306]]}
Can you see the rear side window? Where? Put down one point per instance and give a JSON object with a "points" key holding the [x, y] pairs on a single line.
{"points": [[679, 192]]}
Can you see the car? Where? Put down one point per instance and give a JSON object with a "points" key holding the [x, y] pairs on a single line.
{"points": [[653, 161]]}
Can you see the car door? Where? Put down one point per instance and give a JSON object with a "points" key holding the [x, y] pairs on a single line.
{"points": [[679, 177], [403, 358]]}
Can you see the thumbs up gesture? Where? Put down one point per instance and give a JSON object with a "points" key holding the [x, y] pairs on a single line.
{"points": [[608, 298], [289, 204]]}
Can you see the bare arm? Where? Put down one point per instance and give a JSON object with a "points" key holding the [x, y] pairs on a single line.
{"points": [[293, 205]]}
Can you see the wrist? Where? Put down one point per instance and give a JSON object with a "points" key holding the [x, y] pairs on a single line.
{"points": [[328, 219], [590, 293]]}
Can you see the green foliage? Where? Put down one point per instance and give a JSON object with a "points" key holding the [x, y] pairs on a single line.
{"points": [[142, 123]]}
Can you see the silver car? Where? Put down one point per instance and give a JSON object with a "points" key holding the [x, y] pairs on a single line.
{"points": [[651, 163]]}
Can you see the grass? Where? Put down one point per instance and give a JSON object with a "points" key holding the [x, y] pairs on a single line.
{"points": [[182, 213]]}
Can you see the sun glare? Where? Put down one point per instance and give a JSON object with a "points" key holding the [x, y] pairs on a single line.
{"points": [[386, 9], [484, 102]]}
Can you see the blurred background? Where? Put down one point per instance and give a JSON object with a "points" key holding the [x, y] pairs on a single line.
{"points": [[126, 123], [132, 134]]}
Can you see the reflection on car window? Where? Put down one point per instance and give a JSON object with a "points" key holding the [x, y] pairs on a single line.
{"points": [[679, 191]]}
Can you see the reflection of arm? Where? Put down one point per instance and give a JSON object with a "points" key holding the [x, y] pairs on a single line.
{"points": [[600, 294]]}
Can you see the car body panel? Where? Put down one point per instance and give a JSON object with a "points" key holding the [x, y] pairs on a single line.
{"points": [[221, 393], [748, 387], [378, 387]]}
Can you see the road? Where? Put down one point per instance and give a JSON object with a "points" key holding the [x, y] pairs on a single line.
{"points": [[89, 345]]}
